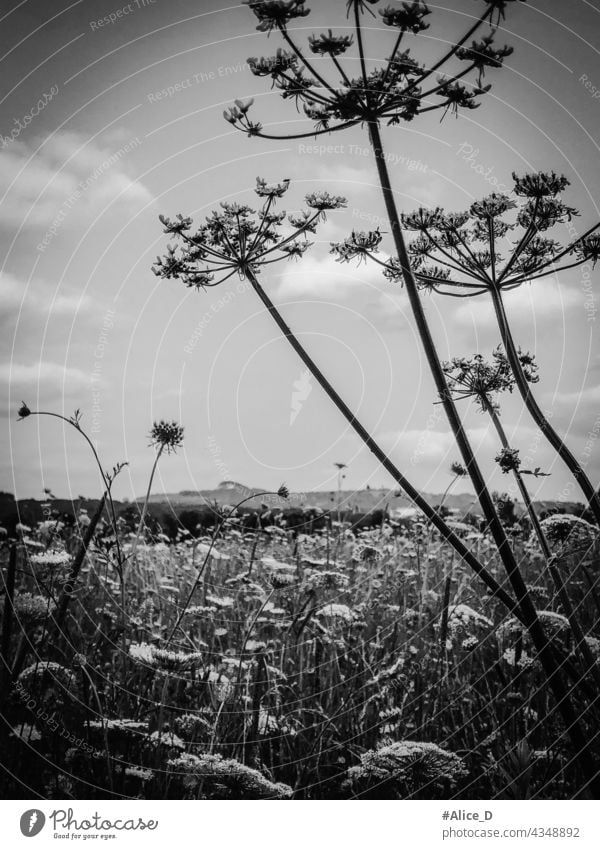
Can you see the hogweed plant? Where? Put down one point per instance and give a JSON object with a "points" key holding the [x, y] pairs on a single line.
{"points": [[482, 381], [495, 246], [399, 90], [243, 241], [240, 240]]}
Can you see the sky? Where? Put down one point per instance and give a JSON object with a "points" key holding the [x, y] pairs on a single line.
{"points": [[111, 114]]}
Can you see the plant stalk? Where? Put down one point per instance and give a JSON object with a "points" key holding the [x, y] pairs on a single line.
{"points": [[536, 412]]}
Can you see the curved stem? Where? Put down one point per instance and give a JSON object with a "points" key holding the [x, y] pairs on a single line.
{"points": [[446, 532], [105, 479], [306, 63], [561, 590], [140, 527], [481, 490], [69, 587], [534, 626], [218, 528], [536, 412], [312, 134], [446, 491]]}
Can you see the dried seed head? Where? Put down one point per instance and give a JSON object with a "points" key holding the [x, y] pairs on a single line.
{"points": [[167, 435]]}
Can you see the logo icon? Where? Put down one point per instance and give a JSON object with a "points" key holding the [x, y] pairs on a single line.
{"points": [[302, 389], [32, 822]]}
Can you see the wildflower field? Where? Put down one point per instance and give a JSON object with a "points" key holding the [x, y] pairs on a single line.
{"points": [[332, 664], [279, 653]]}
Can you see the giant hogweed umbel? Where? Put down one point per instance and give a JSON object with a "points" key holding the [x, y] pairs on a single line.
{"points": [[400, 89], [493, 247], [240, 240]]}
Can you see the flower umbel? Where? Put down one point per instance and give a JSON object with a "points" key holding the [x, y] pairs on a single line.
{"points": [[168, 436], [239, 239]]}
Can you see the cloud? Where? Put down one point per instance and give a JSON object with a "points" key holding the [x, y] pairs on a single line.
{"points": [[430, 446], [325, 278], [67, 174], [528, 305], [39, 298], [42, 380]]}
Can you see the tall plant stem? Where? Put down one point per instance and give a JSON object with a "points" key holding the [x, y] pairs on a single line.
{"points": [[140, 527], [446, 532], [582, 646], [481, 490], [525, 603], [446, 491], [218, 528], [536, 412], [106, 480], [69, 587], [7, 620]]}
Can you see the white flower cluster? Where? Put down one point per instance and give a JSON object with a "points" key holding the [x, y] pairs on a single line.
{"points": [[224, 778], [407, 763], [462, 617], [57, 557], [338, 611]]}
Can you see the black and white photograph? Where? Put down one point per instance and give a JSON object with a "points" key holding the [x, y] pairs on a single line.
{"points": [[301, 414]]}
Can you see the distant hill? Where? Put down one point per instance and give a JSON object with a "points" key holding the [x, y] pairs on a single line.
{"points": [[30, 511], [360, 501]]}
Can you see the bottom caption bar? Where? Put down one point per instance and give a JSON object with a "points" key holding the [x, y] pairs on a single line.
{"points": [[349, 824]]}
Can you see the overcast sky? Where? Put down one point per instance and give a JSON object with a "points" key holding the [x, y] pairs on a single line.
{"points": [[87, 325]]}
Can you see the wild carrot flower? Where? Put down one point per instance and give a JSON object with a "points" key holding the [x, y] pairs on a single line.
{"points": [[338, 611], [226, 778], [140, 773], [166, 435], [566, 533], [508, 459], [407, 765], [56, 557], [164, 659], [31, 608]]}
